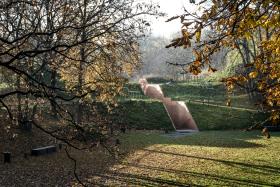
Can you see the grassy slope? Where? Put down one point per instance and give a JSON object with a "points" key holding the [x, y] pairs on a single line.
{"points": [[213, 91], [217, 118], [148, 114], [220, 158]]}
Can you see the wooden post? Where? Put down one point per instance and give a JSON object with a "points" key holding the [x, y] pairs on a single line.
{"points": [[60, 146], [7, 157]]}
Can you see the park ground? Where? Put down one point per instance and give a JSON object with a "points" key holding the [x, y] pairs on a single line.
{"points": [[222, 158], [221, 154], [150, 158]]}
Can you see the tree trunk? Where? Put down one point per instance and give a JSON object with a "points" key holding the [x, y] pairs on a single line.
{"points": [[19, 109], [79, 111], [53, 85]]}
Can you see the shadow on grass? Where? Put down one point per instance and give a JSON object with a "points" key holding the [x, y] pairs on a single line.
{"points": [[159, 175], [263, 169], [228, 180], [146, 180], [141, 180]]}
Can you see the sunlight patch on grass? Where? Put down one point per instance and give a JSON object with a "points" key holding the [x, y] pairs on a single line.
{"points": [[207, 158]]}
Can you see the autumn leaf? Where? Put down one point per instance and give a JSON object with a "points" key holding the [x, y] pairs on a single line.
{"points": [[270, 103], [261, 85], [253, 74], [198, 36], [211, 70], [197, 63], [194, 70], [198, 55]]}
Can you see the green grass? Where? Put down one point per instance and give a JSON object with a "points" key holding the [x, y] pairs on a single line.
{"points": [[145, 115], [215, 158], [150, 114], [215, 92], [191, 91], [133, 87], [157, 80], [219, 118], [201, 90]]}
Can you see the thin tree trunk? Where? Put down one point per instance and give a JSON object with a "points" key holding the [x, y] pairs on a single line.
{"points": [[79, 110], [19, 109], [53, 85]]}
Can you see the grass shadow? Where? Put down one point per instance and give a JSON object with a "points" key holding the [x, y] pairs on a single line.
{"points": [[220, 178], [152, 144]]}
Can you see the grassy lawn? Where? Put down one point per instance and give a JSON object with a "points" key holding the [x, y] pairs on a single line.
{"points": [[144, 113], [150, 115], [216, 158], [219, 118], [150, 158], [203, 91]]}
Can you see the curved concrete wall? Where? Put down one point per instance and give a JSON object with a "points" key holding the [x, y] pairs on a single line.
{"points": [[178, 112]]}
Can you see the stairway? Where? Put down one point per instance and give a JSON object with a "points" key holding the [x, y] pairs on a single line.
{"points": [[177, 111]]}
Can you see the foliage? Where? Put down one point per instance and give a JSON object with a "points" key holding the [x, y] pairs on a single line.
{"points": [[105, 72], [232, 65], [66, 56], [237, 24]]}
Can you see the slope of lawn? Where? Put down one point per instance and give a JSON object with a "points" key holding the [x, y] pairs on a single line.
{"points": [[216, 158], [223, 118], [144, 113], [203, 91], [150, 114]]}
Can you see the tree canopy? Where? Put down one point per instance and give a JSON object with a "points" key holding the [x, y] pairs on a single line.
{"points": [[249, 26], [53, 52]]}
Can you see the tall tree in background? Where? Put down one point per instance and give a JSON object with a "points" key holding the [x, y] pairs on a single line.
{"points": [[249, 26], [72, 50]]}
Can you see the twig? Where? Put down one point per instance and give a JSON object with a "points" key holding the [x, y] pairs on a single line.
{"points": [[75, 167]]}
